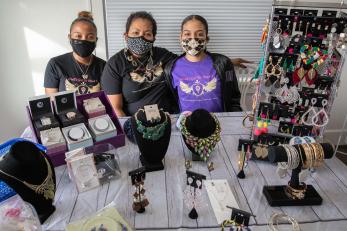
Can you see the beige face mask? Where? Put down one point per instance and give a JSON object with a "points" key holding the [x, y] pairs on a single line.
{"points": [[193, 46]]}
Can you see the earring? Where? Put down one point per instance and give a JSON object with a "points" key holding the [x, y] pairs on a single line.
{"points": [[317, 117], [311, 76], [308, 112], [277, 39]]}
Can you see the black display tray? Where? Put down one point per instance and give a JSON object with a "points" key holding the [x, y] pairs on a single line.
{"points": [[276, 196]]}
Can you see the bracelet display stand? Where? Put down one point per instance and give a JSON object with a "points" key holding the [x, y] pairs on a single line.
{"points": [[276, 195]]}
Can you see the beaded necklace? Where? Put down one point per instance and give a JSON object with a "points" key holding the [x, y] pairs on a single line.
{"points": [[151, 133], [202, 146]]}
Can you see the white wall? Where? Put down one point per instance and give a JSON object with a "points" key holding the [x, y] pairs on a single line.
{"points": [[32, 31]]}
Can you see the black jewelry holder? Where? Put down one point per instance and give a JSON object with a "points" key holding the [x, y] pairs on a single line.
{"points": [[66, 102], [200, 124], [276, 196], [136, 176], [193, 214], [41, 107], [152, 152], [26, 162]]}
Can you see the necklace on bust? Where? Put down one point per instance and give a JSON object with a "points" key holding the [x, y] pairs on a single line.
{"points": [[46, 188]]}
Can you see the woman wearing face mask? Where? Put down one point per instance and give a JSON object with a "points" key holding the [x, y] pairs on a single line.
{"points": [[79, 70], [200, 79], [134, 76]]}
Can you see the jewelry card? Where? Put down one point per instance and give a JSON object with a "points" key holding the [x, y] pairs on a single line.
{"points": [[220, 196], [84, 172]]}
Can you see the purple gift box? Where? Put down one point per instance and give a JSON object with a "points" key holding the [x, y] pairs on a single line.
{"points": [[57, 155]]}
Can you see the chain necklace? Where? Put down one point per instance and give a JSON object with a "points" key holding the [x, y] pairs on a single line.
{"points": [[84, 73], [46, 188]]}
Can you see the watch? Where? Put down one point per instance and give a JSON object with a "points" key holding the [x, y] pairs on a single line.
{"points": [[76, 134], [101, 124], [45, 121], [71, 115]]}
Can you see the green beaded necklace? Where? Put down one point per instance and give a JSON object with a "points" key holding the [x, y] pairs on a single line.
{"points": [[202, 146], [151, 133]]}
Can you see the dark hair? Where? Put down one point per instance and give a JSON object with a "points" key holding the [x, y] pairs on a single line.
{"points": [[84, 16], [195, 17], [142, 15]]}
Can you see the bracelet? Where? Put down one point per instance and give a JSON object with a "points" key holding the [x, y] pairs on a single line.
{"points": [[296, 194], [282, 216], [308, 163], [319, 154], [249, 116]]}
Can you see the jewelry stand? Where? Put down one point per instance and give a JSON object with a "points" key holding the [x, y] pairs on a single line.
{"points": [[26, 169], [152, 151], [276, 195]]}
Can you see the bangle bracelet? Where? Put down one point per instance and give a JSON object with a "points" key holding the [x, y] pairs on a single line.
{"points": [[282, 216], [250, 117]]}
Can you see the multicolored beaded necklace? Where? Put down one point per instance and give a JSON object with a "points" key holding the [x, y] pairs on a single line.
{"points": [[202, 146]]}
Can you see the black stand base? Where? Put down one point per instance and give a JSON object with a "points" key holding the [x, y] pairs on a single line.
{"points": [[43, 217], [276, 196], [196, 157], [142, 210], [151, 167]]}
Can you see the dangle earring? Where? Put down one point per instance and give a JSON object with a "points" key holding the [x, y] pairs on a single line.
{"points": [[306, 117], [283, 93], [298, 75], [277, 40], [321, 114], [257, 130], [266, 123], [311, 76]]}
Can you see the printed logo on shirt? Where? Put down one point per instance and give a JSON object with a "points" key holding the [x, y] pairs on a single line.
{"points": [[82, 86], [198, 88]]}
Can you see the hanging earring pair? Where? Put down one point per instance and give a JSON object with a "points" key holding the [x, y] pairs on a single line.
{"points": [[262, 123], [313, 118]]}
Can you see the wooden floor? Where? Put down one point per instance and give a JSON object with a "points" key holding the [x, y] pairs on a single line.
{"points": [[165, 189]]}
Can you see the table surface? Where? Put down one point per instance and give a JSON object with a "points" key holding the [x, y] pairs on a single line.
{"points": [[167, 211]]}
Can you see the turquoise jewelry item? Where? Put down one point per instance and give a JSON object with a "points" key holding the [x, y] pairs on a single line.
{"points": [[151, 133], [202, 146]]}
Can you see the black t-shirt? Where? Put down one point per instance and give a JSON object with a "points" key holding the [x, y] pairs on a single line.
{"points": [[63, 72], [121, 76]]}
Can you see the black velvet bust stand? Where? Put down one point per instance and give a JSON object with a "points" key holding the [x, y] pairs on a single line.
{"points": [[200, 124], [25, 162], [276, 195], [152, 152]]}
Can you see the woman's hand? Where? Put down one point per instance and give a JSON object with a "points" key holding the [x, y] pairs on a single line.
{"points": [[238, 62]]}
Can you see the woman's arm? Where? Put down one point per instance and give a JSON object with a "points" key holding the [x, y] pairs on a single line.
{"points": [[50, 91], [238, 62], [117, 104]]}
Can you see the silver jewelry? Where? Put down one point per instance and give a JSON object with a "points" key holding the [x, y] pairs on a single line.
{"points": [[76, 133], [325, 118], [311, 110], [276, 217], [84, 73], [101, 124], [71, 115], [292, 162], [45, 121]]}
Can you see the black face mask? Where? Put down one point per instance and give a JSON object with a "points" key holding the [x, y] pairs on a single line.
{"points": [[83, 48]]}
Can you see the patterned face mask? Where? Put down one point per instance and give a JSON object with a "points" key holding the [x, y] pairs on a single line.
{"points": [[139, 45], [193, 46]]}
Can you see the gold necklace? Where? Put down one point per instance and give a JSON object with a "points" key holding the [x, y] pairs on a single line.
{"points": [[46, 187]]}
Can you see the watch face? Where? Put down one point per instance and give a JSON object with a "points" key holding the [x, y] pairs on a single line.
{"points": [[76, 133], [101, 124]]}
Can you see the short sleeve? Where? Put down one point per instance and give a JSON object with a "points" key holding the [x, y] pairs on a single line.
{"points": [[52, 78], [111, 81]]}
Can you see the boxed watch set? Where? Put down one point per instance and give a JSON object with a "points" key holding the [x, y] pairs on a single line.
{"points": [[71, 122]]}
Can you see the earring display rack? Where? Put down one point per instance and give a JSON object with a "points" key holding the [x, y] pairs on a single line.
{"points": [[303, 58]]}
